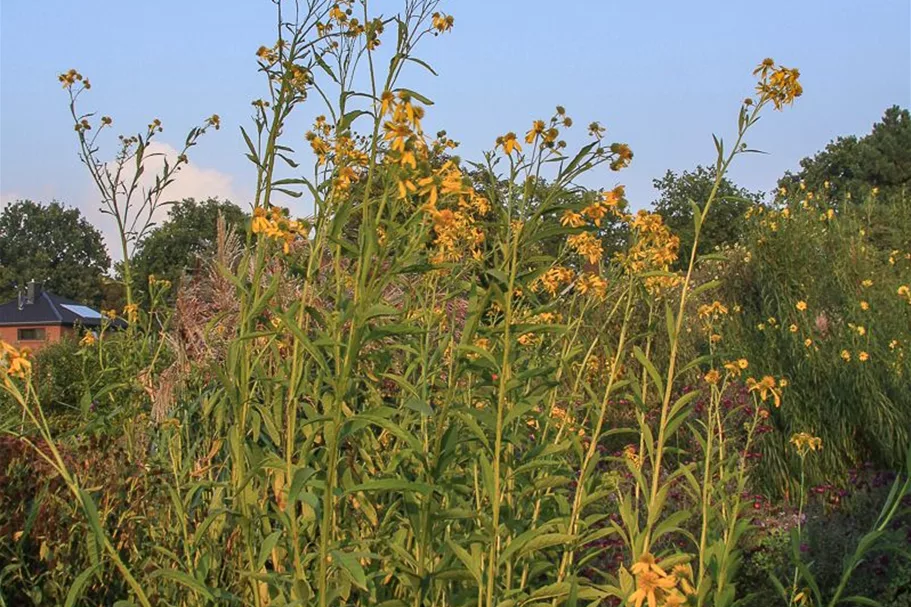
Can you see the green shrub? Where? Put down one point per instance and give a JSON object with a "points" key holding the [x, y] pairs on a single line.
{"points": [[815, 296]]}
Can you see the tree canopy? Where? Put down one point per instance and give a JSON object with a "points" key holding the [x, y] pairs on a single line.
{"points": [[172, 248], [725, 219], [855, 165], [52, 244]]}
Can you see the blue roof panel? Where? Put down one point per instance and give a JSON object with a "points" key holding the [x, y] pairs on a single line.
{"points": [[83, 311]]}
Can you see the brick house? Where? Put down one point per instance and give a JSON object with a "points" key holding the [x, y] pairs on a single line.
{"points": [[38, 317]]}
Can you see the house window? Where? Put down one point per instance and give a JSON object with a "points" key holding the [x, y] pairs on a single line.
{"points": [[32, 335]]}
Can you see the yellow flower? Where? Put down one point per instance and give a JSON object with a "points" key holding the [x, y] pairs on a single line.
{"points": [[801, 306], [808, 342], [712, 377], [649, 587], [867, 283], [861, 331], [674, 599], [804, 443], [14, 361], [716, 308], [87, 340], [537, 128], [592, 283], [260, 223], [793, 328], [779, 85], [595, 212], [864, 306], [529, 339], [586, 245], [735, 367], [509, 143], [131, 312], [862, 356], [442, 23], [552, 279], [572, 219], [765, 387], [111, 314], [684, 573], [846, 355], [646, 563]]}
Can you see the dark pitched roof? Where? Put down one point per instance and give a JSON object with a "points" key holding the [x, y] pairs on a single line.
{"points": [[49, 309]]}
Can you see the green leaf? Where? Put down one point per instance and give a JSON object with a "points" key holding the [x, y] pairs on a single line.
{"points": [[546, 540], [185, 580], [422, 64], [350, 565], [650, 367], [91, 513], [471, 564], [707, 286], [76, 588], [266, 548], [350, 117], [417, 96], [697, 217], [861, 600], [322, 63], [391, 484]]}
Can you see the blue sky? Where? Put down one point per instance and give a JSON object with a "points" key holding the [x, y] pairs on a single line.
{"points": [[661, 76]]}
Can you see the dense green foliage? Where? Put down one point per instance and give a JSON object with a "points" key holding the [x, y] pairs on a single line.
{"points": [[724, 224], [846, 262], [54, 245], [852, 165], [461, 389], [174, 247]]}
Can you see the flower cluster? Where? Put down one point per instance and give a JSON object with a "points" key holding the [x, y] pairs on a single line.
{"points": [[586, 245], [546, 135], [343, 151], [780, 85], [276, 224], [553, 279], [131, 312], [590, 283], [71, 77], [654, 250], [13, 362], [656, 586], [804, 443], [714, 310], [451, 204], [161, 283]]}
